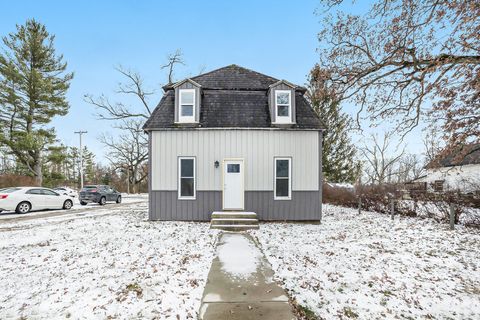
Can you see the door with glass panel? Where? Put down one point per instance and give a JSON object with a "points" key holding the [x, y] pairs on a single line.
{"points": [[233, 189]]}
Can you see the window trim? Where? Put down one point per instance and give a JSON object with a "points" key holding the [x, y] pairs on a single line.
{"points": [[283, 119], [179, 186], [289, 197], [439, 185], [186, 119]]}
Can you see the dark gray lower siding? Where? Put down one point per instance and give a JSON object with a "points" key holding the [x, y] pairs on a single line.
{"points": [[305, 205], [164, 205]]}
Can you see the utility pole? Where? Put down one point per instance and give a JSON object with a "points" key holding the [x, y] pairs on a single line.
{"points": [[80, 133]]}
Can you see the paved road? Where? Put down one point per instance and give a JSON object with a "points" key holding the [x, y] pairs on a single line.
{"points": [[13, 217]]}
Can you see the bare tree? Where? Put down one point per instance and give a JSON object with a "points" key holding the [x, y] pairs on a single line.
{"points": [[128, 151], [410, 167], [173, 59], [117, 110], [432, 146], [404, 60], [381, 160]]}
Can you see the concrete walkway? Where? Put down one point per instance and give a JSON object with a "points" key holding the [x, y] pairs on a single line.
{"points": [[240, 284]]}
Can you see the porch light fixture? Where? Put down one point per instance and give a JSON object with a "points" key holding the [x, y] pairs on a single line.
{"points": [[217, 164]]}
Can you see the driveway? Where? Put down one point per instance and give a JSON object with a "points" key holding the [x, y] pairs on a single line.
{"points": [[77, 209]]}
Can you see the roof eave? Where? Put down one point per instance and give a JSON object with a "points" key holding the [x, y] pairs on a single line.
{"points": [[284, 82], [231, 128], [179, 83]]}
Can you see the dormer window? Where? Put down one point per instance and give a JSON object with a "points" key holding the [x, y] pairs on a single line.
{"points": [[283, 106], [187, 105]]}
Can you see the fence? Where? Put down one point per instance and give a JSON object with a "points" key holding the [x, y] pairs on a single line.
{"points": [[448, 207]]}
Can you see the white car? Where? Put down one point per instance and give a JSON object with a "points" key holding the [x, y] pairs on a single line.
{"points": [[24, 199], [66, 191]]}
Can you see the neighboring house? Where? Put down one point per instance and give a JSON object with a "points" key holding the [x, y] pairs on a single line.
{"points": [[234, 140], [450, 173]]}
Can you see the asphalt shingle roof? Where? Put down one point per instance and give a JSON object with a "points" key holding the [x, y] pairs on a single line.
{"points": [[234, 77], [232, 97], [468, 154]]}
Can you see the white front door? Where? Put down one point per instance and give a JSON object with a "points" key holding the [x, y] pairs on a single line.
{"points": [[233, 190]]}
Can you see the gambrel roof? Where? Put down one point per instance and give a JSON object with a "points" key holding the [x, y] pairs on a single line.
{"points": [[233, 97]]}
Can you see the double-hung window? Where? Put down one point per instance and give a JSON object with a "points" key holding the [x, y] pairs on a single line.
{"points": [[283, 106], [187, 105], [283, 179], [186, 178]]}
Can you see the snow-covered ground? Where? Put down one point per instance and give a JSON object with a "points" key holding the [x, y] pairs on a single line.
{"points": [[368, 267], [116, 265]]}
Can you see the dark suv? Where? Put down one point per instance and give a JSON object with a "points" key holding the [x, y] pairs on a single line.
{"points": [[99, 194]]}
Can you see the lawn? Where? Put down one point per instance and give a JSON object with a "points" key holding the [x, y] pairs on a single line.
{"points": [[111, 265], [368, 267]]}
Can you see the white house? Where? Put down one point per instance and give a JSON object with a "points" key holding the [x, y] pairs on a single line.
{"points": [[455, 174], [234, 140]]}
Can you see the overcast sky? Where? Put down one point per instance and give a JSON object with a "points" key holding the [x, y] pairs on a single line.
{"points": [[278, 38]]}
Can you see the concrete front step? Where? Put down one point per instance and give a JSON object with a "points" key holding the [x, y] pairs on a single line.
{"points": [[245, 221], [234, 214], [234, 220], [234, 227]]}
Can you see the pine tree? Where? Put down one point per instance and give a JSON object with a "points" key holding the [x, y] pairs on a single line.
{"points": [[33, 84], [88, 165], [338, 157]]}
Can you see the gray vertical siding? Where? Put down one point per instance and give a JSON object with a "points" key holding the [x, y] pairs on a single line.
{"points": [[304, 205], [257, 147], [150, 197], [166, 206], [320, 171]]}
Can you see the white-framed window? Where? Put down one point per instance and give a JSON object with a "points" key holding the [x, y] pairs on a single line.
{"points": [[283, 106], [186, 105], [283, 178], [186, 178]]}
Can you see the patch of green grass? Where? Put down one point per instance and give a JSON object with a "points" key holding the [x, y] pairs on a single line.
{"points": [[431, 253], [303, 312], [349, 313], [387, 293], [307, 313], [383, 302], [131, 287], [135, 287]]}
